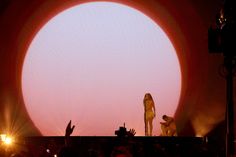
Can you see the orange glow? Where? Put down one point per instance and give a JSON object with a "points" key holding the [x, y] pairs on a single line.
{"points": [[6, 139], [203, 123]]}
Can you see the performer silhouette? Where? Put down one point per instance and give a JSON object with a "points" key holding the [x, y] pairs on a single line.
{"points": [[168, 127], [149, 113]]}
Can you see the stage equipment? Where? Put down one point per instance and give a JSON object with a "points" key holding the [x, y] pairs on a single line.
{"points": [[222, 39]]}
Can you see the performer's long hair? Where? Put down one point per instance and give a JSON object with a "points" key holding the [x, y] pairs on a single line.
{"points": [[147, 96]]}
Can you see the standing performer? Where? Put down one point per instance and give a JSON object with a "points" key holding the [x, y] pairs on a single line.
{"points": [[149, 113]]}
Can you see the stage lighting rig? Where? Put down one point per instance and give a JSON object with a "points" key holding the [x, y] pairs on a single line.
{"points": [[222, 39], [222, 33]]}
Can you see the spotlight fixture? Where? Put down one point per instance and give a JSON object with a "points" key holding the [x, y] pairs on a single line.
{"points": [[6, 139]]}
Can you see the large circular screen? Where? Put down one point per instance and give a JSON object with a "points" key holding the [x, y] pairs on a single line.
{"points": [[93, 64]]}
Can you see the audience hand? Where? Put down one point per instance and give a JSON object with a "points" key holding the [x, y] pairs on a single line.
{"points": [[69, 129], [131, 132]]}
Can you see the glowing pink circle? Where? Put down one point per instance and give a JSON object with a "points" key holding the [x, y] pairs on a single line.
{"points": [[92, 64]]}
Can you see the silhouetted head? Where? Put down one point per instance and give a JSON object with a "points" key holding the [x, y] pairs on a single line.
{"points": [[148, 96], [164, 117]]}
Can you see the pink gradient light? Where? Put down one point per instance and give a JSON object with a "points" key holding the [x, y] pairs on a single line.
{"points": [[92, 64]]}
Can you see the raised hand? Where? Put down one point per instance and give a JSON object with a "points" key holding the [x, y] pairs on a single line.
{"points": [[131, 132], [69, 129]]}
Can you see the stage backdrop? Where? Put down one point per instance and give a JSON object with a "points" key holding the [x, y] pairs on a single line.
{"points": [[93, 64]]}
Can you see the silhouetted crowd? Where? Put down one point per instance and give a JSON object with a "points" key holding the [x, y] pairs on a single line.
{"points": [[122, 145]]}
